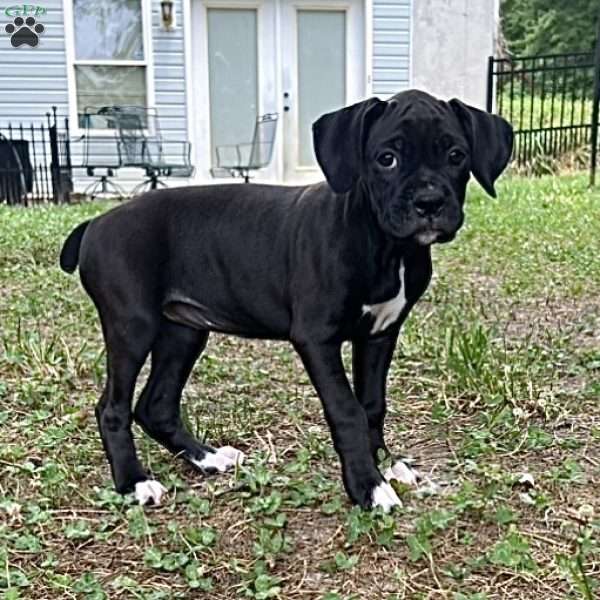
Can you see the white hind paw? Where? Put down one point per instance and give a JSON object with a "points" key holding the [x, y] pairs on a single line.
{"points": [[401, 472], [220, 460]]}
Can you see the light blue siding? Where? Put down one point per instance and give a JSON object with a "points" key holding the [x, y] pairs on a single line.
{"points": [[391, 46], [34, 79], [169, 74]]}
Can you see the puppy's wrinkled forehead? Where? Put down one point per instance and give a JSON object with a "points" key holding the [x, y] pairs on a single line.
{"points": [[415, 116]]}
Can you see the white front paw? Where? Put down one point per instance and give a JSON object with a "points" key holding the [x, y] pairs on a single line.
{"points": [[149, 490], [385, 496]]}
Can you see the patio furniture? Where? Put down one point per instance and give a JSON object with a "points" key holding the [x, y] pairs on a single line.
{"points": [[238, 160], [141, 145], [100, 154]]}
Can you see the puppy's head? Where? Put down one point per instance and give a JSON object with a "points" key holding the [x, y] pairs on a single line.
{"points": [[414, 154]]}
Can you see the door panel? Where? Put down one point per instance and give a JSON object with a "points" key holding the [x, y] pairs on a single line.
{"points": [[233, 75], [323, 70], [321, 83], [234, 79]]}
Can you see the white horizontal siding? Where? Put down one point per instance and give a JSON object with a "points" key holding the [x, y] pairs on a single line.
{"points": [[391, 46], [169, 74], [32, 80]]}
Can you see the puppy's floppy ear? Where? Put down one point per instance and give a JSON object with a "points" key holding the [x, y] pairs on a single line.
{"points": [[339, 138], [491, 140]]}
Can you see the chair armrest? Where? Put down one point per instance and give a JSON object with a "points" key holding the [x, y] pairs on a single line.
{"points": [[171, 157], [238, 151], [228, 146]]}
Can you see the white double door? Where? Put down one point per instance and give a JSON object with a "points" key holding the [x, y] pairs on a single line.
{"points": [[298, 58]]}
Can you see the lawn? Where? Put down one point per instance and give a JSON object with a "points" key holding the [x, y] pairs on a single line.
{"points": [[538, 114], [493, 391]]}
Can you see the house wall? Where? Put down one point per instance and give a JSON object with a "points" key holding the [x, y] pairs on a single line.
{"points": [[451, 41], [169, 74], [34, 79], [437, 45], [391, 46], [166, 91]]}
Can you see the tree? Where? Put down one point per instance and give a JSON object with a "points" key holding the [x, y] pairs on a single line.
{"points": [[549, 26]]}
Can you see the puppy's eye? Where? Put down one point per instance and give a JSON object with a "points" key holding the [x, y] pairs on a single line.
{"points": [[387, 160], [456, 157]]}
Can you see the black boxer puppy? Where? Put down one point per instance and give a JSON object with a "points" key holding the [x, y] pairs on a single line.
{"points": [[317, 265]]}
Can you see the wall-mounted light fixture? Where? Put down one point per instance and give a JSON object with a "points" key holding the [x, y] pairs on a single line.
{"points": [[167, 15]]}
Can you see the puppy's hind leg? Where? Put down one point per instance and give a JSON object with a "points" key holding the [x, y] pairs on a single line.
{"points": [[126, 353], [158, 410]]}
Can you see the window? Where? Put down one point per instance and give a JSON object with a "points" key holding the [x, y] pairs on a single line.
{"points": [[109, 55]]}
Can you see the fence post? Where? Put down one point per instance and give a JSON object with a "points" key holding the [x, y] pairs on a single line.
{"points": [[595, 107], [54, 158], [68, 146], [66, 167], [489, 103]]}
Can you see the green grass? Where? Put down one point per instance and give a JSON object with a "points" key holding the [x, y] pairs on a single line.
{"points": [[545, 154], [497, 374], [545, 114]]}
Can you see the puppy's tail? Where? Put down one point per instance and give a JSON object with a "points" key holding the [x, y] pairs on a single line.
{"points": [[69, 255]]}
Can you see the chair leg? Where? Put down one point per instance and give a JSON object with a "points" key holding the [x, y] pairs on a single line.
{"points": [[103, 186], [151, 183], [121, 193], [139, 188], [90, 189]]}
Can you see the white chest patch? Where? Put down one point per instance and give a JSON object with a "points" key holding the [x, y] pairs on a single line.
{"points": [[386, 313]]}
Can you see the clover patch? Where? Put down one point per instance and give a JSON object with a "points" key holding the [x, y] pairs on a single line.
{"points": [[24, 32]]}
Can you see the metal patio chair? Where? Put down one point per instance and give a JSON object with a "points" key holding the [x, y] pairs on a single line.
{"points": [[238, 160], [100, 154], [141, 145]]}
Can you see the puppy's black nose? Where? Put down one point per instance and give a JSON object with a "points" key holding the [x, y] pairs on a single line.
{"points": [[429, 205]]}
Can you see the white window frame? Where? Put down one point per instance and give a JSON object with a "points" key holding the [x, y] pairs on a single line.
{"points": [[72, 61]]}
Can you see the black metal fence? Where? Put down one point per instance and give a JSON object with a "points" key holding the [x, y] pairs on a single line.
{"points": [[549, 99], [35, 162]]}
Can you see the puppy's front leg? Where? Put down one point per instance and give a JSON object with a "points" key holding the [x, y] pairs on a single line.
{"points": [[371, 359], [348, 424]]}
